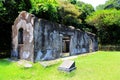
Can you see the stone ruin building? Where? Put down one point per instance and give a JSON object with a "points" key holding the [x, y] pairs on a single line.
{"points": [[35, 39]]}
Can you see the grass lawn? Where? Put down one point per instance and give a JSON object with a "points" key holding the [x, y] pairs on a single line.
{"points": [[99, 66]]}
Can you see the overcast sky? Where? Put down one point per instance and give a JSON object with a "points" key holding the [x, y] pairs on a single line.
{"points": [[94, 2]]}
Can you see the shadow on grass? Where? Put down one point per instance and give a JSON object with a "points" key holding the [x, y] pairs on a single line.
{"points": [[4, 62]]}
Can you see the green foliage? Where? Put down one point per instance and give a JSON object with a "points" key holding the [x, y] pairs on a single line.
{"points": [[100, 7], [45, 9], [109, 47], [85, 9], [108, 24], [65, 12], [104, 18], [73, 1], [110, 4], [9, 9], [68, 14], [102, 65]]}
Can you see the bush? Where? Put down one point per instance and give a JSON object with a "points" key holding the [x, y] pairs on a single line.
{"points": [[4, 53], [107, 23], [109, 47]]}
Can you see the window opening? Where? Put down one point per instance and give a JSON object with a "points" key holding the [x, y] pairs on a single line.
{"points": [[20, 36]]}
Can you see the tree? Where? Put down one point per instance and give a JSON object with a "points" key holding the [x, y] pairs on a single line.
{"points": [[100, 7], [107, 23], [68, 14], [85, 9], [9, 9], [46, 9], [73, 1], [110, 4]]}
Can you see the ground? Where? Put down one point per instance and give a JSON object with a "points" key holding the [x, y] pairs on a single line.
{"points": [[99, 66]]}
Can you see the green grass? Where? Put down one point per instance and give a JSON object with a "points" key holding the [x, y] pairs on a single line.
{"points": [[99, 66]]}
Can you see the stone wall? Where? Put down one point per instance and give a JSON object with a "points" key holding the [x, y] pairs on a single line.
{"points": [[25, 49], [48, 40], [36, 39]]}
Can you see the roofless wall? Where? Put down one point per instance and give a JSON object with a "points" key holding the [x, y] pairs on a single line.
{"points": [[36, 39]]}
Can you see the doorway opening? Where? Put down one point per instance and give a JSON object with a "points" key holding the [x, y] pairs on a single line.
{"points": [[65, 46]]}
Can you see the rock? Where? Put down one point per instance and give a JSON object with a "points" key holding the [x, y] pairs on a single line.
{"points": [[25, 64], [67, 65], [44, 64]]}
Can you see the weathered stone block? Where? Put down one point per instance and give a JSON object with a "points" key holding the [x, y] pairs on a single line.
{"points": [[67, 65]]}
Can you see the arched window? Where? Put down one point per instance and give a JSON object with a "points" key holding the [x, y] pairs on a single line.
{"points": [[20, 36]]}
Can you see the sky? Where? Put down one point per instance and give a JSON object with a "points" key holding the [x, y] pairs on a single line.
{"points": [[94, 2]]}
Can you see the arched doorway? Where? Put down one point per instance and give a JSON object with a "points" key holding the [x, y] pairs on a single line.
{"points": [[20, 42]]}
